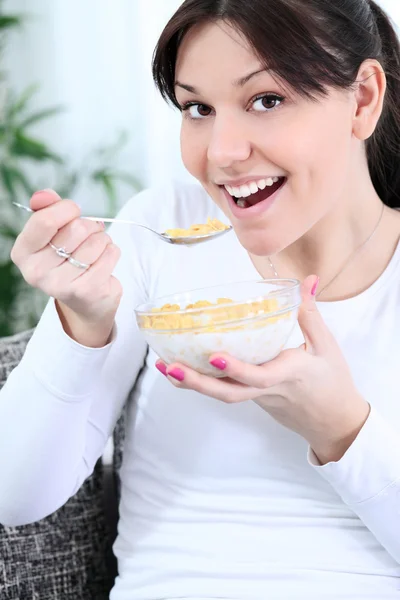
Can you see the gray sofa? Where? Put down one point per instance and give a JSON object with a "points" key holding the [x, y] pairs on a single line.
{"points": [[68, 555]]}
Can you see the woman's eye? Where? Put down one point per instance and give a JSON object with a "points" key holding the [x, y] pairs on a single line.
{"points": [[197, 111], [267, 102]]}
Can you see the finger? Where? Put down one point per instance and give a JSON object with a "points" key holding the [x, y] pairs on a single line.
{"points": [[64, 282], [87, 253], [104, 266], [75, 233], [42, 227], [43, 199], [224, 389], [38, 268], [316, 333], [262, 377], [98, 281]]}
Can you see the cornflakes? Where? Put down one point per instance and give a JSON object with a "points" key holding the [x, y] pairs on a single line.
{"points": [[210, 320], [198, 229]]}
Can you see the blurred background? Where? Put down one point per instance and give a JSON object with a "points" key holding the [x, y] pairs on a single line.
{"points": [[79, 113]]}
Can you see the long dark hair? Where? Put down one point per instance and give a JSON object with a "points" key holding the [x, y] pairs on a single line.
{"points": [[310, 44]]}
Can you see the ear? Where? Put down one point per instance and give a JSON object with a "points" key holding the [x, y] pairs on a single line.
{"points": [[369, 95]]}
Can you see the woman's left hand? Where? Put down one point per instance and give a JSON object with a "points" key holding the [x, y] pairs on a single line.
{"points": [[307, 389]]}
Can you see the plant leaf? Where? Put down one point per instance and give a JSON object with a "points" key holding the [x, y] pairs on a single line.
{"points": [[7, 179], [9, 21], [28, 147], [23, 181], [12, 178], [40, 116], [10, 282], [6, 231], [107, 183], [17, 105]]}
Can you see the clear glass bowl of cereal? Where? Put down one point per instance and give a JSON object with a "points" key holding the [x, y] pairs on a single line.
{"points": [[251, 321]]}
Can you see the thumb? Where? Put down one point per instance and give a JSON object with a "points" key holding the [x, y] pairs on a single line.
{"points": [[43, 198], [316, 333]]}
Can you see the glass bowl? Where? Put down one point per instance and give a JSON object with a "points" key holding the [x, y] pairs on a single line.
{"points": [[251, 321]]}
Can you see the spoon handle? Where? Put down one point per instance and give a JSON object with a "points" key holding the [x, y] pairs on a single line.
{"points": [[108, 220], [102, 219]]}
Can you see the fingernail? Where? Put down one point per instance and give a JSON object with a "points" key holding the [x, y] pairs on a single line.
{"points": [[162, 368], [102, 224], [177, 374], [45, 191], [315, 287], [219, 363]]}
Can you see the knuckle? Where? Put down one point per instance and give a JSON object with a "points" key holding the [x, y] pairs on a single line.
{"points": [[15, 254], [33, 274], [117, 289], [264, 382], [107, 239], [45, 223], [99, 241], [230, 398], [115, 250], [79, 229], [72, 207]]}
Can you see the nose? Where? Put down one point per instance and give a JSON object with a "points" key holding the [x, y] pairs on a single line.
{"points": [[228, 143]]}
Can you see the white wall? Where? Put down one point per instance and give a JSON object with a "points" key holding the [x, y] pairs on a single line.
{"points": [[393, 8], [94, 56]]}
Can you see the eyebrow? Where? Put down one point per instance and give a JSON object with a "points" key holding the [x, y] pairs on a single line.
{"points": [[236, 83]]}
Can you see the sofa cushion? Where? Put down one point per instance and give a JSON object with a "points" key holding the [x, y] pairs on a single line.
{"points": [[64, 556]]}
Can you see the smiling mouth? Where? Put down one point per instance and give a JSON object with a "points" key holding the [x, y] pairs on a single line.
{"points": [[258, 196]]}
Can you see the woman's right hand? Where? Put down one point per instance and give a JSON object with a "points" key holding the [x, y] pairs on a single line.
{"points": [[86, 300]]}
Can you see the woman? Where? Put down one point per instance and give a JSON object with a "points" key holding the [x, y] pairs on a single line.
{"points": [[277, 481]]}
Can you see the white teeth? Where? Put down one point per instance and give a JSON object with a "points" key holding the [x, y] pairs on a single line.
{"points": [[262, 184], [241, 203], [236, 192], [244, 191]]}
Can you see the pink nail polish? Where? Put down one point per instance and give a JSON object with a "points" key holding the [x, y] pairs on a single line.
{"points": [[177, 374], [219, 363], [162, 368], [315, 287]]}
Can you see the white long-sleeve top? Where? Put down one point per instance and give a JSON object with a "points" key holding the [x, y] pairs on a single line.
{"points": [[218, 501]]}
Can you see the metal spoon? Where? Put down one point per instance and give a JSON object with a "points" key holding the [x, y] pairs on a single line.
{"points": [[181, 241]]}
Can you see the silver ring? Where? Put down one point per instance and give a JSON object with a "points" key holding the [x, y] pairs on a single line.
{"points": [[77, 263], [61, 252]]}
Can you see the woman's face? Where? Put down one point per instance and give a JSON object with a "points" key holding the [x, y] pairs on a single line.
{"points": [[245, 132]]}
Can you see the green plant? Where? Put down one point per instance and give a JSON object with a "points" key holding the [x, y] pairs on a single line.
{"points": [[20, 150]]}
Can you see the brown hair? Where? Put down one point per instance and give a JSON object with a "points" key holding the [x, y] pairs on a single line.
{"points": [[310, 44]]}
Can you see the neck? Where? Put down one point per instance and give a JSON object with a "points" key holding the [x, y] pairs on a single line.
{"points": [[338, 243]]}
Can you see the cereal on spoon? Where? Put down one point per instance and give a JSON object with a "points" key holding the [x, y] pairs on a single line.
{"points": [[198, 229]]}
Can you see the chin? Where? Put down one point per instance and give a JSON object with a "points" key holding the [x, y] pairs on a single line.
{"points": [[256, 243]]}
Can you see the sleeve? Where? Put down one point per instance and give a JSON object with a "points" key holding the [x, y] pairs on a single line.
{"points": [[60, 404], [367, 478]]}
